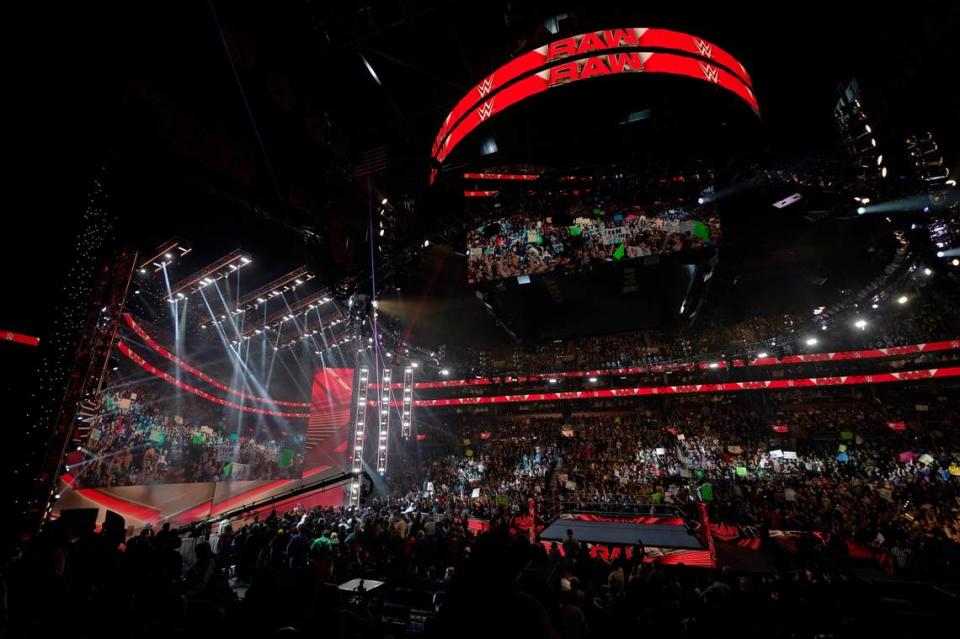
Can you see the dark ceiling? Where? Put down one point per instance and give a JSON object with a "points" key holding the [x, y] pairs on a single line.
{"points": [[242, 123]]}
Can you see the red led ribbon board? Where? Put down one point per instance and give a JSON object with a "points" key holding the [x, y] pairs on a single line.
{"points": [[874, 353], [19, 338], [688, 389], [198, 373], [156, 372], [593, 67], [587, 44]]}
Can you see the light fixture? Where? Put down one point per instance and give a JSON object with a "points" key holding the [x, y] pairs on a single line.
{"points": [[811, 341], [861, 210], [444, 372], [927, 271], [593, 380], [714, 365], [955, 262], [762, 354], [902, 299], [383, 201], [414, 364], [860, 323]]}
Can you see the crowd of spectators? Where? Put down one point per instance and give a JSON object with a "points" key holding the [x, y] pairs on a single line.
{"points": [[837, 473], [883, 475], [580, 233], [141, 437]]}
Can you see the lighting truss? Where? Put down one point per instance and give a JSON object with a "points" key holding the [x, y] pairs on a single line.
{"points": [[301, 308], [218, 270], [306, 334], [384, 422], [279, 286], [359, 430], [406, 425], [165, 255]]}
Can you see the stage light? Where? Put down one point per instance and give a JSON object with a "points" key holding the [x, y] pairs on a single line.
{"points": [[861, 324], [136, 292], [245, 260], [382, 231], [880, 160], [873, 142], [861, 210], [939, 253], [276, 348], [373, 74], [951, 182], [444, 372], [552, 380], [414, 364], [927, 271], [56, 496], [902, 299], [714, 365], [700, 200], [593, 380], [955, 262], [143, 271], [426, 243], [869, 130], [883, 172], [168, 256], [383, 201], [761, 355], [811, 341], [875, 305]]}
